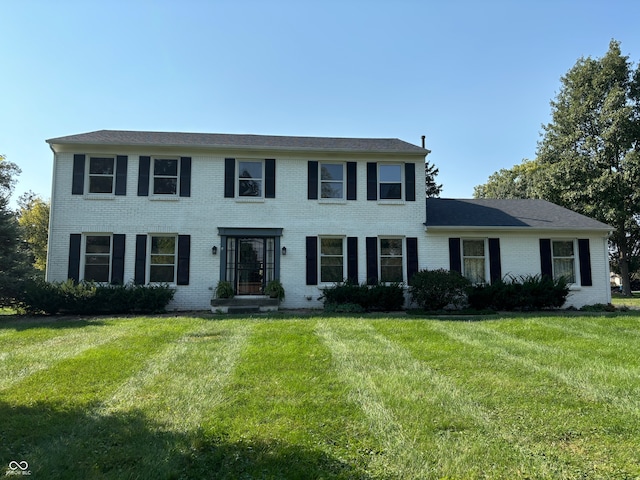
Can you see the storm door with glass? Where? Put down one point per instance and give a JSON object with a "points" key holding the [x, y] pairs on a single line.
{"points": [[250, 264]]}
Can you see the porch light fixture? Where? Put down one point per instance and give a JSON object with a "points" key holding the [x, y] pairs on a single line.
{"points": [[284, 250], [214, 250]]}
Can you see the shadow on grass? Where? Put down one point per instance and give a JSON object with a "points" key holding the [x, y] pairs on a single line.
{"points": [[58, 442], [20, 323]]}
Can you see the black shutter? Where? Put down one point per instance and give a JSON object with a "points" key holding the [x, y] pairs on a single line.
{"points": [[270, 178], [584, 253], [352, 185], [229, 177], [184, 253], [121, 175], [412, 258], [77, 183], [312, 260], [372, 181], [546, 265], [185, 176], [352, 260], [312, 180], [372, 260], [141, 258], [143, 176], [117, 263], [455, 260], [410, 182], [74, 257], [495, 263]]}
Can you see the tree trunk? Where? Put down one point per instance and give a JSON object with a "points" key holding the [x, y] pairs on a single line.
{"points": [[624, 268]]}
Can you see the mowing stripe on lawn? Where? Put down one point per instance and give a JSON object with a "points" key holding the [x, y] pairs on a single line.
{"points": [[18, 362], [420, 415]]}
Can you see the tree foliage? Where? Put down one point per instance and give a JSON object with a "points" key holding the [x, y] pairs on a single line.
{"points": [[591, 148], [432, 188], [33, 218], [520, 181]]}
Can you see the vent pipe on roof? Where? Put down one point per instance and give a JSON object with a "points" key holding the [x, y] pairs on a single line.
{"points": [[423, 138]]}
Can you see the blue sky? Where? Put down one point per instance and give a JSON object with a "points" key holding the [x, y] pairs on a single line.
{"points": [[475, 77]]}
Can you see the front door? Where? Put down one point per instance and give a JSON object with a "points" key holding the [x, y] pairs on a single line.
{"points": [[250, 263]]}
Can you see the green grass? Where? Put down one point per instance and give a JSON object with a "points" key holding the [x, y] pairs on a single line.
{"points": [[631, 302], [322, 397]]}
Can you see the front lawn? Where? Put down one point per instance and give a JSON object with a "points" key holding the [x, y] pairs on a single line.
{"points": [[311, 398]]}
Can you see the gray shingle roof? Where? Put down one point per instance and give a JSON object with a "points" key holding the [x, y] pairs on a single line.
{"points": [[507, 213], [221, 140]]}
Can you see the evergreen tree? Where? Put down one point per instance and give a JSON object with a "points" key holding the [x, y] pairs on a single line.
{"points": [[432, 189]]}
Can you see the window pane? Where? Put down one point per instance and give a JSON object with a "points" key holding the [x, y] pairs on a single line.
{"points": [[390, 191], [165, 185], [161, 274], [391, 246], [250, 170], [330, 171], [100, 184], [563, 249], [165, 167], [164, 245], [474, 270], [331, 269], [98, 244], [390, 173], [250, 188], [391, 273], [473, 248], [331, 190], [97, 273], [162, 259], [331, 246], [97, 259], [564, 267], [102, 166]]}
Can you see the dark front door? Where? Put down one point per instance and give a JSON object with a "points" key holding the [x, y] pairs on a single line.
{"points": [[250, 264]]}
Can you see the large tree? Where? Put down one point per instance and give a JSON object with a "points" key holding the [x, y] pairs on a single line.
{"points": [[33, 217], [591, 149], [520, 181], [14, 265], [432, 188]]}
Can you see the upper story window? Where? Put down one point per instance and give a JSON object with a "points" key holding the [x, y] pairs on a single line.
{"points": [[162, 259], [391, 260], [101, 174], [250, 178], [474, 260], [165, 176], [97, 258], [390, 182], [332, 180], [564, 260], [331, 259]]}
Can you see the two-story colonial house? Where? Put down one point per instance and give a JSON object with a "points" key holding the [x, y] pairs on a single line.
{"points": [[191, 209]]}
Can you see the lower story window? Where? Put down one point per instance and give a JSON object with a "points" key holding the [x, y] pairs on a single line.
{"points": [[391, 260], [331, 260], [473, 261], [564, 262], [97, 258], [162, 261]]}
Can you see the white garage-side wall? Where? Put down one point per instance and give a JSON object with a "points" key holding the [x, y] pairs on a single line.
{"points": [[520, 255]]}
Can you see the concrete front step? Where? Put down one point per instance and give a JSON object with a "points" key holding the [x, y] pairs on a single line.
{"points": [[245, 304]]}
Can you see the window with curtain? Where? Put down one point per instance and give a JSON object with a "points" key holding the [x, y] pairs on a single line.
{"points": [[473, 261], [564, 261]]}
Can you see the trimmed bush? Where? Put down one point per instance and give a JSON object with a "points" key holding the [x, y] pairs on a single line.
{"points": [[437, 289], [529, 292], [39, 296], [380, 297]]}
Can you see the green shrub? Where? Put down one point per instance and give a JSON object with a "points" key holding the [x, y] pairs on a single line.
{"points": [[224, 289], [528, 292], [436, 289], [274, 289], [39, 296], [380, 297]]}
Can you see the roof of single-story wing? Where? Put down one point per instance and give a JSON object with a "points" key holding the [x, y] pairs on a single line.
{"points": [[454, 213], [223, 140]]}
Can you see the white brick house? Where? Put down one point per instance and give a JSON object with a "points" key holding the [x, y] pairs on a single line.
{"points": [[193, 209]]}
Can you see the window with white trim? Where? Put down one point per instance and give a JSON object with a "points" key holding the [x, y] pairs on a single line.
{"points": [[162, 258], [332, 180], [390, 182], [101, 174], [332, 259], [250, 178], [391, 260], [474, 262], [165, 176], [564, 260], [97, 258]]}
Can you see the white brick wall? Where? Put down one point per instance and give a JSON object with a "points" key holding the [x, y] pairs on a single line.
{"points": [[206, 209]]}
